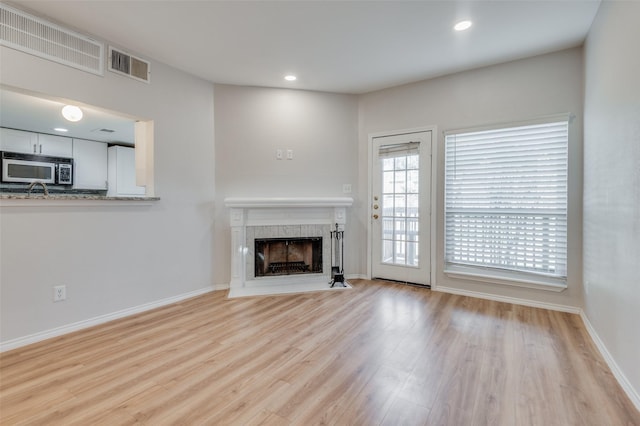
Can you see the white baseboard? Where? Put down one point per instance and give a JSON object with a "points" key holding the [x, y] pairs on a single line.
{"points": [[59, 331], [507, 299], [632, 393], [217, 287], [355, 277]]}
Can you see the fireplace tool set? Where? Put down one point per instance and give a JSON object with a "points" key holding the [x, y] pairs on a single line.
{"points": [[337, 258]]}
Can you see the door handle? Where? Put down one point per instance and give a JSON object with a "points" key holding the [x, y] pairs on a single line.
{"points": [[375, 216]]}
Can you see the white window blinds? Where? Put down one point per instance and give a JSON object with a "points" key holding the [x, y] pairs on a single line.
{"points": [[506, 198]]}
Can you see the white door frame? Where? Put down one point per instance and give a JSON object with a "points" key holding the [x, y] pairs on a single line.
{"points": [[434, 196]]}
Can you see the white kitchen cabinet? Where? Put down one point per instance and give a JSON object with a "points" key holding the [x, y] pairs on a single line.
{"points": [[55, 146], [90, 165], [122, 173], [17, 140], [35, 143]]}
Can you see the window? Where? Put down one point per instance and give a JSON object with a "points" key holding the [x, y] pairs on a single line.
{"points": [[506, 202], [400, 203]]}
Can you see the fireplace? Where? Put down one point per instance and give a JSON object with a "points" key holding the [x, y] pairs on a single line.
{"points": [[286, 256], [298, 255]]}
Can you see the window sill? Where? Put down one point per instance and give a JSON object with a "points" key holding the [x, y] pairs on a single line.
{"points": [[512, 279]]}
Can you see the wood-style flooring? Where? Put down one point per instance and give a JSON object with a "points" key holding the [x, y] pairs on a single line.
{"points": [[380, 354]]}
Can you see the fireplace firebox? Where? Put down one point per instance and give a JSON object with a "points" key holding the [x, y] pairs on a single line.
{"points": [[287, 256]]}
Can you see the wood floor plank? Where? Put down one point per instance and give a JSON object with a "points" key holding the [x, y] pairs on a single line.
{"points": [[381, 353]]}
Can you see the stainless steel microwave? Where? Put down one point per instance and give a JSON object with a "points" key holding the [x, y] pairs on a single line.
{"points": [[27, 168]]}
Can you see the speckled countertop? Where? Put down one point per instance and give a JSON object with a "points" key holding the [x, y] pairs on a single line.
{"points": [[74, 197]]}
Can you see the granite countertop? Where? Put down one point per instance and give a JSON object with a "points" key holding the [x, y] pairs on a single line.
{"points": [[77, 197]]}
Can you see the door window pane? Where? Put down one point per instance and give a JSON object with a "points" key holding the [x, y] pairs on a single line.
{"points": [[400, 205], [387, 251], [412, 229], [412, 181], [387, 182], [412, 254], [387, 228]]}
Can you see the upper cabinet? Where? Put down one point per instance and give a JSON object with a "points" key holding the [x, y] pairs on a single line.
{"points": [[90, 160], [18, 141], [35, 143], [55, 146]]}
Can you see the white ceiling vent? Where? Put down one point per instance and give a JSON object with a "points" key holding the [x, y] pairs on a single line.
{"points": [[30, 34], [124, 63]]}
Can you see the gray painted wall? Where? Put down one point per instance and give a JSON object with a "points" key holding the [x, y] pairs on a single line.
{"points": [[252, 122], [612, 183], [119, 256]]}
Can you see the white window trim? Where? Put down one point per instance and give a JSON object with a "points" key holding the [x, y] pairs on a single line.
{"points": [[540, 120]]}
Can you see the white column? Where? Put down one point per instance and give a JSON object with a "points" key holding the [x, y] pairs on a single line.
{"points": [[339, 217], [238, 248]]}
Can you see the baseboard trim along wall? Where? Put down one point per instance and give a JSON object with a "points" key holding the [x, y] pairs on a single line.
{"points": [[632, 393], [59, 331], [355, 277]]}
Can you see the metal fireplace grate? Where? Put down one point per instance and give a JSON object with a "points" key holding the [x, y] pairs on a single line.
{"points": [[286, 256]]}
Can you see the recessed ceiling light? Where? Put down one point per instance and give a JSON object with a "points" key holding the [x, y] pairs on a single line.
{"points": [[60, 129], [290, 77], [462, 25], [72, 113]]}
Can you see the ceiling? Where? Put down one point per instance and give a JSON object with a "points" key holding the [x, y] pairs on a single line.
{"points": [[333, 46]]}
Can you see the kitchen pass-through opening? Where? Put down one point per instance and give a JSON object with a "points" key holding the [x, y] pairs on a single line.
{"points": [[286, 256]]}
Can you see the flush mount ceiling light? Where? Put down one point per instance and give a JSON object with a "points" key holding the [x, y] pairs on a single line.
{"points": [[60, 129], [290, 77], [72, 113], [462, 25]]}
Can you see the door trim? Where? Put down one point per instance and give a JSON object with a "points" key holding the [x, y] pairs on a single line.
{"points": [[434, 196]]}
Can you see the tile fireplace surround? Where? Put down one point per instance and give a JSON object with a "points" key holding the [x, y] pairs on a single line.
{"points": [[252, 218]]}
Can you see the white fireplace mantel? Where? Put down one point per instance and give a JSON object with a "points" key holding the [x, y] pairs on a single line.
{"points": [[290, 202], [284, 213]]}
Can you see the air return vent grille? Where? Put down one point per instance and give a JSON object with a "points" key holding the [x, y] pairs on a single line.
{"points": [[29, 34], [124, 63]]}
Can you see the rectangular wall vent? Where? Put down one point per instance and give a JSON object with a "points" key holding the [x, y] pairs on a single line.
{"points": [[30, 34], [124, 63]]}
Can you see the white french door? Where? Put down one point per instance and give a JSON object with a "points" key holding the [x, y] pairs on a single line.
{"points": [[400, 208]]}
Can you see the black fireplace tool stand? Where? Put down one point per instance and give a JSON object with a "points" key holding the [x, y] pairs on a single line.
{"points": [[337, 258]]}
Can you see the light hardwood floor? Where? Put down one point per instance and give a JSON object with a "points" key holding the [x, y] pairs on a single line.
{"points": [[381, 353]]}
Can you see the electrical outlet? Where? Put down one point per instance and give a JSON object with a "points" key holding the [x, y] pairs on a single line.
{"points": [[346, 188], [59, 293]]}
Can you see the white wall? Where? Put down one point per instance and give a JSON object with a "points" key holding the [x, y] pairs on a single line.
{"points": [[612, 184], [117, 256], [251, 123], [514, 91]]}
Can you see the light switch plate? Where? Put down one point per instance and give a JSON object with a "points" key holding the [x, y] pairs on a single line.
{"points": [[278, 154], [289, 154]]}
